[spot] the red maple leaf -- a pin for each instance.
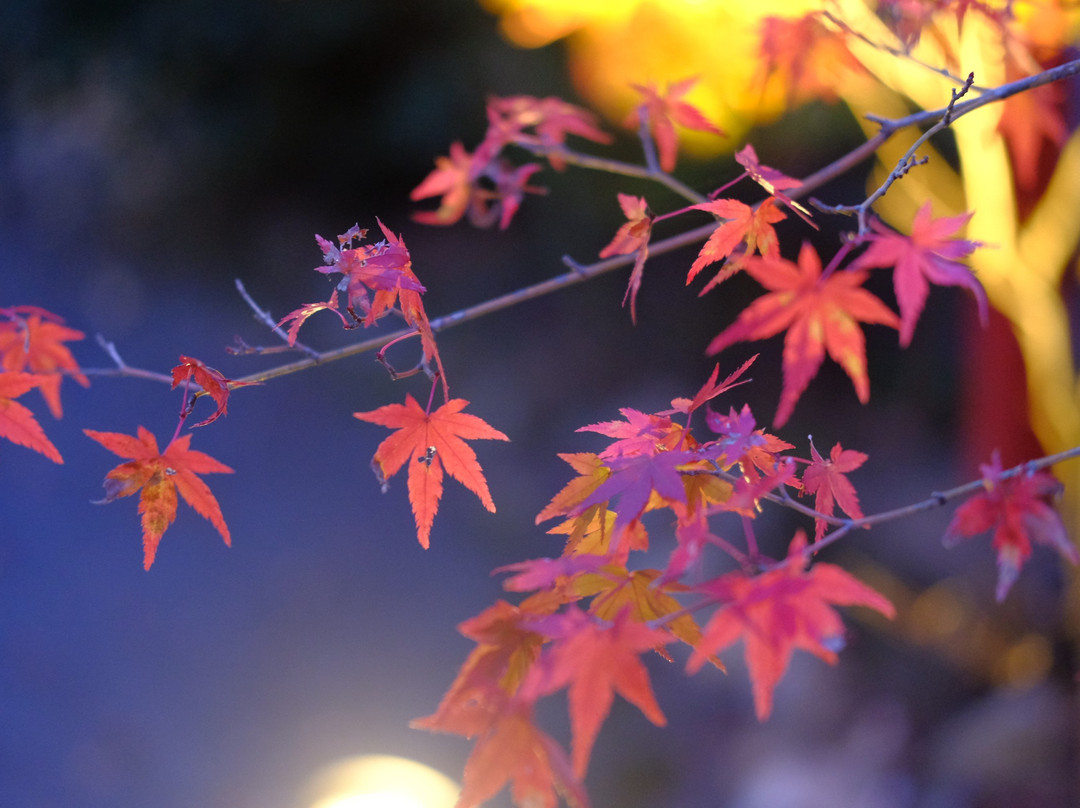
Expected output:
(213, 383)
(819, 314)
(595, 660)
(931, 254)
(827, 481)
(17, 423)
(779, 610)
(772, 180)
(1017, 508)
(33, 340)
(160, 475)
(710, 390)
(632, 236)
(551, 119)
(663, 111)
(751, 227)
(454, 180)
(641, 433)
(298, 317)
(547, 573)
(1032, 122)
(431, 443)
(385, 271)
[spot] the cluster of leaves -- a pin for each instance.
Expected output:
(592, 612)
(33, 355)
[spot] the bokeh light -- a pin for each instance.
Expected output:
(380, 781)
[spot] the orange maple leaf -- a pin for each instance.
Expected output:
(431, 443)
(807, 59)
(632, 236)
(494, 669)
(666, 109)
(160, 475)
(778, 611)
(515, 750)
(17, 423)
(591, 472)
(33, 340)
(595, 661)
(820, 314)
(752, 227)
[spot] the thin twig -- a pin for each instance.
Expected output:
(899, 53)
(264, 316)
(618, 167)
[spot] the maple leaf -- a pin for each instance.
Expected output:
(808, 59)
(384, 269)
(515, 750)
(779, 610)
(634, 479)
(595, 661)
(742, 442)
(505, 650)
(772, 180)
(930, 253)
(551, 118)
(35, 343)
(511, 185)
(17, 423)
(298, 317)
(213, 383)
(710, 390)
(1017, 508)
(431, 443)
(541, 573)
(663, 111)
(640, 434)
(819, 314)
(592, 532)
(1031, 122)
(825, 479)
(907, 18)
(632, 236)
(591, 472)
(751, 227)
(160, 475)
(614, 589)
(453, 179)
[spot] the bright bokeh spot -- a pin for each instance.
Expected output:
(380, 781)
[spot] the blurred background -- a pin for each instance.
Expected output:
(153, 152)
